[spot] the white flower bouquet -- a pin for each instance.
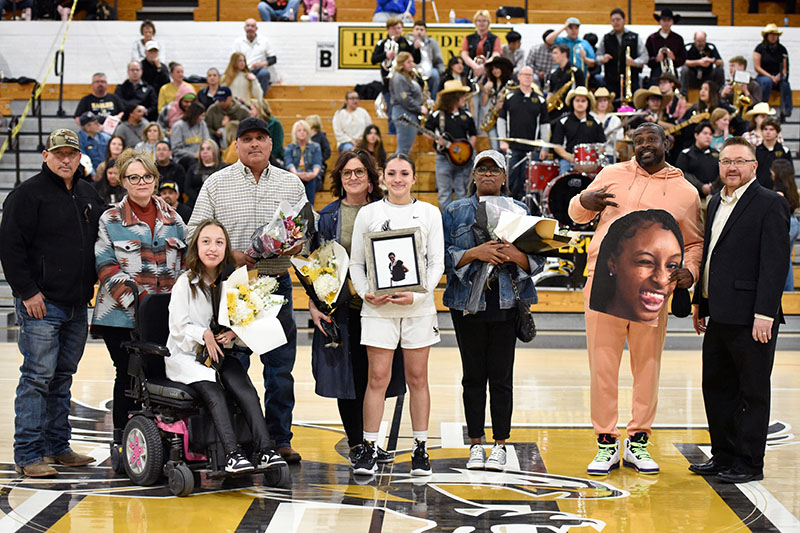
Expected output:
(249, 307)
(323, 275)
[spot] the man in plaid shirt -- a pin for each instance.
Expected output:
(540, 59)
(244, 197)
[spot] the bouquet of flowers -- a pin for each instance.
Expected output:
(323, 275)
(249, 307)
(290, 225)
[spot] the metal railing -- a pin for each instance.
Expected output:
(36, 109)
(13, 145)
(59, 71)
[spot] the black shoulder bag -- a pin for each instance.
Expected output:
(525, 325)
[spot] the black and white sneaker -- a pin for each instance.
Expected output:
(363, 459)
(420, 462)
(235, 462)
(268, 458)
(383, 457)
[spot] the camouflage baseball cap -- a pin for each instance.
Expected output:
(63, 137)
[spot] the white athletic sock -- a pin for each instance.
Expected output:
(419, 436)
(371, 437)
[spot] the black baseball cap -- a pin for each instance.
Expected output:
(169, 184)
(222, 93)
(251, 123)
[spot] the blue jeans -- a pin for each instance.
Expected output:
(433, 82)
(450, 180)
(387, 99)
(345, 146)
(311, 188)
(564, 166)
(51, 349)
(268, 13)
(263, 76)
(406, 135)
(278, 365)
(784, 88)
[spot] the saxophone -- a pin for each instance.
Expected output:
(555, 101)
(490, 119)
(740, 100)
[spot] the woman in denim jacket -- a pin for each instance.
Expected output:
(487, 338)
(341, 372)
(140, 239)
(304, 158)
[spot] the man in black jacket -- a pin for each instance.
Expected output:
(700, 162)
(135, 91)
(48, 232)
(740, 287)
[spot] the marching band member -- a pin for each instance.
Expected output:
(612, 124)
(564, 71)
(612, 52)
(385, 55)
(499, 71)
(576, 127)
(523, 116)
(450, 117)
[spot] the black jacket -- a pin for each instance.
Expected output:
(699, 167)
(142, 94)
(748, 263)
(47, 239)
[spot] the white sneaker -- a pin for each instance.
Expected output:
(477, 457)
(497, 458)
(637, 457)
(606, 460)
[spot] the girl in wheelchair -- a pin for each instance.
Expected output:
(190, 317)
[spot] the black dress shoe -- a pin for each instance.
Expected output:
(708, 468)
(735, 476)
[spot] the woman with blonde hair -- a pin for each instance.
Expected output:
(720, 125)
(304, 158)
(242, 83)
(319, 137)
(153, 264)
(152, 133)
(406, 94)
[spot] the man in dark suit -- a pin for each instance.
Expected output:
(740, 289)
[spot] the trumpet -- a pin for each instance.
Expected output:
(627, 97)
(667, 65)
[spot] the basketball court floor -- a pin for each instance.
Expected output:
(545, 488)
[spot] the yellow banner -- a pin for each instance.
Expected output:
(356, 43)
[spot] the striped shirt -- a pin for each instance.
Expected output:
(234, 197)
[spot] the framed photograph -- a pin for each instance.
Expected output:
(395, 261)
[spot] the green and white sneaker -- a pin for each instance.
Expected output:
(607, 458)
(636, 455)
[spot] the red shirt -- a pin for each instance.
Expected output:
(146, 214)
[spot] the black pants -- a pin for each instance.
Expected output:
(352, 411)
(114, 337)
(235, 380)
(487, 354)
(736, 392)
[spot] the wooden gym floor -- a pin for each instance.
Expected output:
(545, 489)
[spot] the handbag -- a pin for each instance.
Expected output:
(525, 327)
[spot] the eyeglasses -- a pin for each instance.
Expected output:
(135, 179)
(489, 171)
(737, 162)
(358, 173)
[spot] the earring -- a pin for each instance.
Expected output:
(610, 274)
(369, 188)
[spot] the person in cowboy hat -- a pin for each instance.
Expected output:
(450, 117)
(756, 116)
(652, 104)
(577, 127)
(771, 62)
(612, 124)
(499, 72)
(669, 84)
(665, 38)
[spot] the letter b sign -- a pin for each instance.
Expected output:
(325, 56)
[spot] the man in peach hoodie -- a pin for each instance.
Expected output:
(646, 182)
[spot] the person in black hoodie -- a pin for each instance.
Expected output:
(48, 232)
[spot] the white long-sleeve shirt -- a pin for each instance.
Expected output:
(383, 216)
(349, 127)
(189, 317)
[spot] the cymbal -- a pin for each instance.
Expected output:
(538, 143)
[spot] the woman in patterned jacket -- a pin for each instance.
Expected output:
(140, 239)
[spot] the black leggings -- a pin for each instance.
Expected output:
(114, 337)
(235, 380)
(352, 411)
